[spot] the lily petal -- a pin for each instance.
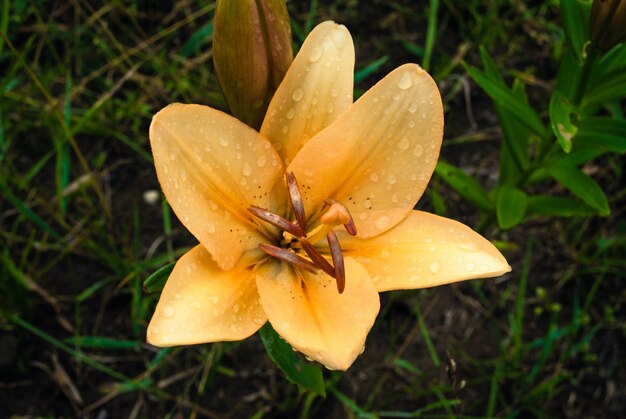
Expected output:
(425, 250)
(203, 303)
(376, 158)
(315, 91)
(211, 168)
(308, 312)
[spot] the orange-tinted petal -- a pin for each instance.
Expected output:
(202, 303)
(315, 91)
(211, 168)
(425, 250)
(308, 312)
(376, 158)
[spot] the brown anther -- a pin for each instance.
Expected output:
(287, 256)
(340, 269)
(276, 220)
(316, 257)
(338, 213)
(296, 200)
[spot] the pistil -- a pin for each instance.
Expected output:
(296, 238)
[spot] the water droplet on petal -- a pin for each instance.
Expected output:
(210, 228)
(374, 177)
(291, 113)
(391, 179)
(261, 161)
(246, 170)
(297, 94)
(469, 267)
(413, 108)
(418, 150)
(382, 222)
(168, 311)
(406, 81)
(316, 54)
(434, 267)
(339, 36)
(223, 142)
(403, 144)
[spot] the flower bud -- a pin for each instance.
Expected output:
(251, 53)
(607, 23)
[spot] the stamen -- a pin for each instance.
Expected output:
(340, 269)
(276, 220)
(316, 257)
(287, 256)
(296, 200)
(338, 213)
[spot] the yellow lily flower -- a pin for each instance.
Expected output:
(273, 248)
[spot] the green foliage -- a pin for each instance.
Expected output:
(83, 255)
(589, 86)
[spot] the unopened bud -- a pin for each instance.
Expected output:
(607, 23)
(251, 53)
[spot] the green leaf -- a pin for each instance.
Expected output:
(580, 185)
(102, 342)
(557, 206)
(608, 88)
(491, 69)
(157, 280)
(510, 206)
(510, 101)
(307, 375)
(560, 110)
(602, 132)
(197, 40)
(370, 69)
(514, 158)
(575, 15)
(465, 185)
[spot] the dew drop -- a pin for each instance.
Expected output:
(434, 267)
(166, 168)
(374, 177)
(403, 144)
(285, 129)
(210, 228)
(168, 311)
(418, 150)
(339, 36)
(261, 161)
(382, 222)
(391, 179)
(334, 93)
(411, 124)
(236, 308)
(413, 108)
(223, 142)
(246, 170)
(316, 54)
(384, 254)
(470, 267)
(405, 82)
(363, 216)
(213, 299)
(291, 113)
(297, 94)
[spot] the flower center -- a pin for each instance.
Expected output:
(297, 240)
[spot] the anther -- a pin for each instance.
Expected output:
(316, 257)
(337, 255)
(338, 213)
(296, 200)
(276, 220)
(287, 256)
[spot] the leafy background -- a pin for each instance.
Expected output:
(80, 228)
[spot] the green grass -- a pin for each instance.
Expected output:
(78, 86)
